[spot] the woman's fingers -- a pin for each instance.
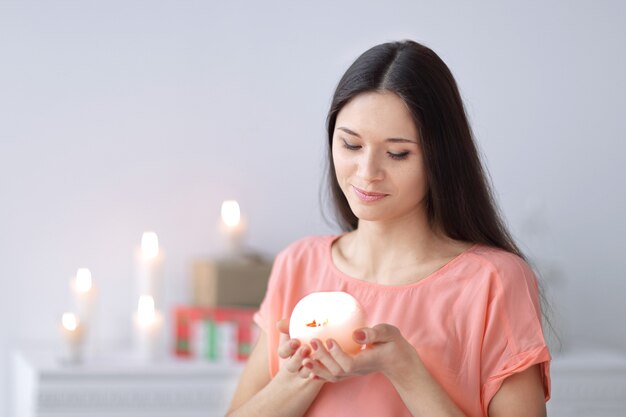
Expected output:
(294, 363)
(283, 326)
(381, 333)
(307, 366)
(330, 369)
(288, 348)
(344, 360)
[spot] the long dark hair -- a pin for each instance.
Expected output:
(459, 199)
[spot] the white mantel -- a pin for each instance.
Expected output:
(585, 383)
(118, 385)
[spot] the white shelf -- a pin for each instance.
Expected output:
(584, 383)
(119, 385)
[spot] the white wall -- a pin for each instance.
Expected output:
(117, 117)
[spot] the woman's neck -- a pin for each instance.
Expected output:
(394, 254)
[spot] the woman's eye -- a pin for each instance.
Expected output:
(401, 155)
(349, 146)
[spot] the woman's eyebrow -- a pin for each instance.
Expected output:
(400, 140)
(348, 131)
(394, 140)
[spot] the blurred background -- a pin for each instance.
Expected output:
(119, 117)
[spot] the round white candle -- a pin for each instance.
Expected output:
(149, 261)
(83, 293)
(328, 315)
(148, 324)
(72, 332)
(232, 226)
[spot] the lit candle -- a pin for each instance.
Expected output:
(72, 332)
(328, 315)
(148, 324)
(149, 260)
(83, 293)
(233, 225)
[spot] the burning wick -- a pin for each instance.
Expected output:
(314, 324)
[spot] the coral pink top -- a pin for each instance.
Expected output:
(474, 322)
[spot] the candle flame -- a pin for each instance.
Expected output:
(145, 310)
(315, 324)
(150, 244)
(231, 214)
(69, 321)
(83, 280)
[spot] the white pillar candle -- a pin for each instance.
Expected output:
(148, 323)
(232, 226)
(328, 315)
(72, 333)
(149, 261)
(83, 293)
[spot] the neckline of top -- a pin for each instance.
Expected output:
(429, 277)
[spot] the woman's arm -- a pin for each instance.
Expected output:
(289, 394)
(520, 395)
(388, 352)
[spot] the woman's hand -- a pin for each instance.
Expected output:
(292, 352)
(289, 393)
(386, 350)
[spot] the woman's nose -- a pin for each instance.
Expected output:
(369, 167)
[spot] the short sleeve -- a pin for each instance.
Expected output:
(513, 338)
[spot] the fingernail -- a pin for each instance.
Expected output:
(314, 345)
(305, 351)
(359, 335)
(330, 344)
(294, 344)
(309, 365)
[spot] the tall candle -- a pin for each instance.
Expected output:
(149, 260)
(148, 324)
(232, 226)
(72, 332)
(83, 293)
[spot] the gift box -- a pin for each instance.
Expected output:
(216, 334)
(234, 282)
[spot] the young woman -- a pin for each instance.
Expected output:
(452, 304)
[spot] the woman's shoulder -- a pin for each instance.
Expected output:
(507, 267)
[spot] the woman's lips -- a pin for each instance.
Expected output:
(368, 196)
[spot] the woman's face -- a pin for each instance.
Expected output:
(378, 159)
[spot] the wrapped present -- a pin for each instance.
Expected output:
(217, 334)
(238, 281)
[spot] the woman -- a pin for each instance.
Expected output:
(453, 307)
